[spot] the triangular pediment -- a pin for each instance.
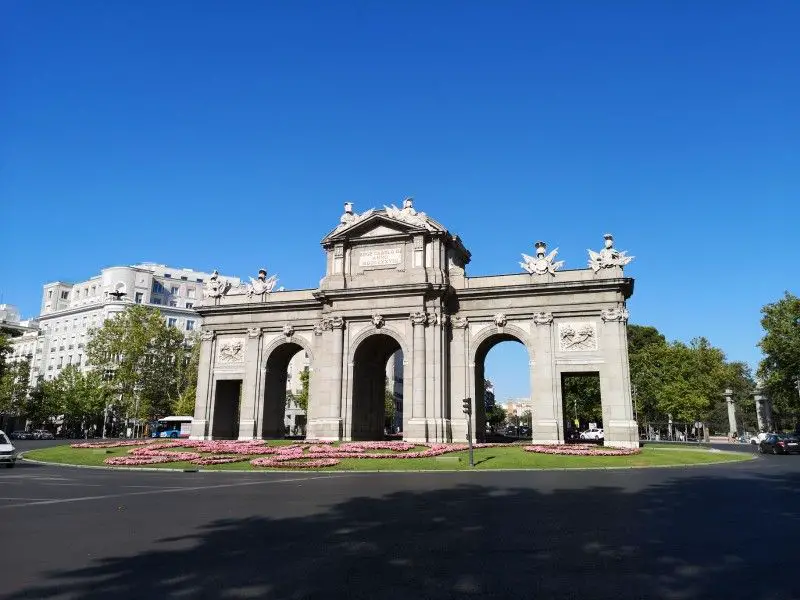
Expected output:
(376, 224)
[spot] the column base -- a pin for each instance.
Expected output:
(547, 431)
(247, 428)
(199, 429)
(621, 434)
(324, 429)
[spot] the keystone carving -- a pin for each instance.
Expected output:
(288, 330)
(377, 321)
(500, 319)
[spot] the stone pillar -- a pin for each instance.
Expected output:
(417, 425)
(247, 411)
(546, 422)
(621, 429)
(731, 411)
(459, 378)
(202, 406)
(325, 386)
(763, 410)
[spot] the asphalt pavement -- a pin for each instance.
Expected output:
(727, 531)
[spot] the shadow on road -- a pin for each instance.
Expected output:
(696, 536)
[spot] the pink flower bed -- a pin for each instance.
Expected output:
(136, 460)
(293, 462)
(581, 450)
(217, 460)
(116, 444)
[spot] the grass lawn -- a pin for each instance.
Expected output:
(508, 457)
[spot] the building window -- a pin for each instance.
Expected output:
(157, 287)
(139, 297)
(199, 281)
(174, 290)
(69, 359)
(184, 277)
(155, 301)
(65, 295)
(190, 292)
(189, 325)
(171, 322)
(167, 275)
(173, 303)
(50, 294)
(189, 305)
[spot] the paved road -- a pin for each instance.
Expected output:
(704, 532)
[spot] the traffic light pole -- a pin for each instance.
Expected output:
(467, 403)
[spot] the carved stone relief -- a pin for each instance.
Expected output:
(288, 330)
(542, 318)
(231, 351)
(500, 320)
(459, 322)
(377, 321)
(577, 337)
(206, 336)
(254, 332)
(419, 318)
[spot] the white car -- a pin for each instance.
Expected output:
(592, 434)
(8, 454)
(758, 438)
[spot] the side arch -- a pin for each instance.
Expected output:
(298, 340)
(507, 333)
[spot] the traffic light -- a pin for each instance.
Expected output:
(467, 402)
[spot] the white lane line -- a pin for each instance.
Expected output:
(197, 488)
(78, 484)
(26, 499)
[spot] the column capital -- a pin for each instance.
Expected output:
(419, 318)
(543, 318)
(254, 332)
(206, 335)
(459, 322)
(616, 314)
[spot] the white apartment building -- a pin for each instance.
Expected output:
(70, 310)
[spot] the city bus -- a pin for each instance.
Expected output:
(172, 427)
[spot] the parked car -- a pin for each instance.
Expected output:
(594, 434)
(757, 438)
(21, 435)
(8, 454)
(42, 434)
(775, 443)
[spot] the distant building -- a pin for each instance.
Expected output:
(58, 337)
(515, 407)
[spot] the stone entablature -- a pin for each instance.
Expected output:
(395, 280)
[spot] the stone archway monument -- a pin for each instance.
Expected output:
(395, 281)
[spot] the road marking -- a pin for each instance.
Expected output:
(170, 491)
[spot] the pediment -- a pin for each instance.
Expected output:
(374, 225)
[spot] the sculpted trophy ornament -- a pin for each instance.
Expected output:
(609, 256)
(377, 321)
(542, 318)
(500, 320)
(231, 351)
(215, 287)
(541, 264)
(262, 285)
(350, 218)
(577, 336)
(619, 313)
(408, 214)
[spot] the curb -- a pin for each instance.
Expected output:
(331, 472)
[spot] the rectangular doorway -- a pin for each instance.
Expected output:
(226, 409)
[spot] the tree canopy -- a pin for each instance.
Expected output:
(779, 370)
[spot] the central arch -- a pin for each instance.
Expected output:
(484, 344)
(369, 385)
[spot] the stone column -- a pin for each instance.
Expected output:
(546, 425)
(763, 410)
(621, 429)
(247, 412)
(417, 425)
(731, 411)
(204, 378)
(337, 328)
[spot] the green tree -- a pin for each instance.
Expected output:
(779, 370)
(581, 395)
(80, 398)
(145, 358)
(301, 397)
(496, 416)
(41, 406)
(188, 377)
(389, 407)
(5, 349)
(14, 386)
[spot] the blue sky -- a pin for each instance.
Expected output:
(228, 135)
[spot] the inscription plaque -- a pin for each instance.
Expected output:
(380, 257)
